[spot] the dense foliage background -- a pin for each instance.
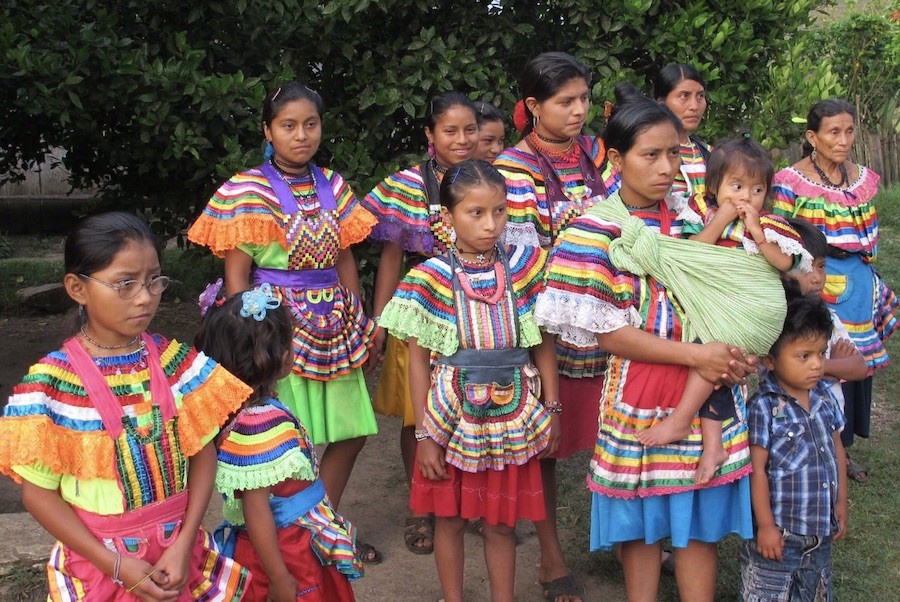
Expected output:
(155, 101)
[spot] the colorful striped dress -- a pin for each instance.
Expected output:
(849, 222)
(408, 209)
(120, 459)
(483, 405)
(266, 447)
(534, 220)
(853, 287)
(326, 389)
(691, 178)
(641, 493)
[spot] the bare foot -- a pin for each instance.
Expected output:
(710, 461)
(668, 431)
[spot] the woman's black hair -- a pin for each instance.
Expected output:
(94, 241)
(812, 238)
(745, 154)
(253, 350)
(807, 317)
(671, 75)
(442, 103)
(486, 112)
(545, 74)
(289, 92)
(822, 109)
(466, 175)
(632, 114)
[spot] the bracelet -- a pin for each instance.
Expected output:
(135, 586)
(116, 565)
(554, 407)
(421, 435)
(375, 318)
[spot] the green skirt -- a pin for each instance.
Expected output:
(333, 410)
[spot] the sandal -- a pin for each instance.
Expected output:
(367, 554)
(416, 532)
(856, 471)
(563, 586)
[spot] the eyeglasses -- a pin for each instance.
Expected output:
(129, 289)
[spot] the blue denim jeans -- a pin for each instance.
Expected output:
(803, 574)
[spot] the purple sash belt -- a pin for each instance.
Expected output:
(317, 285)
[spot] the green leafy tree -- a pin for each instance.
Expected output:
(156, 102)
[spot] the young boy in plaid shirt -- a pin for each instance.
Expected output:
(798, 493)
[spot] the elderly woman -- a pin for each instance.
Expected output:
(837, 196)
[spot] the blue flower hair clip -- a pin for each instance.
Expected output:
(258, 301)
(209, 295)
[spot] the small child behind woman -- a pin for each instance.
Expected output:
(798, 492)
(283, 527)
(731, 213)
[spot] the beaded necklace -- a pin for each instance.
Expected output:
(845, 177)
(538, 142)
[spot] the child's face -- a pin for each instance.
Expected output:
(478, 218)
(799, 364)
(454, 136)
(491, 138)
(737, 186)
(295, 132)
(812, 282)
(111, 319)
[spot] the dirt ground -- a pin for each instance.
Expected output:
(375, 499)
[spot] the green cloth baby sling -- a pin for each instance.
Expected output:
(727, 295)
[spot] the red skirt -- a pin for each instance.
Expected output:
(580, 418)
(315, 582)
(497, 496)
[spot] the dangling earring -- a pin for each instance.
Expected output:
(269, 152)
(81, 317)
(812, 155)
(431, 151)
(535, 120)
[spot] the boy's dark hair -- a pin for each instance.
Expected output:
(253, 350)
(807, 317)
(739, 153)
(812, 238)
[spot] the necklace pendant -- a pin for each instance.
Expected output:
(481, 259)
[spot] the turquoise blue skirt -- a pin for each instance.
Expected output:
(705, 515)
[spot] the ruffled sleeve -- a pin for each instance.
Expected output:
(527, 224)
(585, 294)
(355, 220)
(400, 205)
(422, 307)
(262, 448)
(777, 230)
(527, 266)
(244, 210)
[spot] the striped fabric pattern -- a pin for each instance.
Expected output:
(407, 216)
(846, 217)
(266, 446)
(701, 211)
(246, 211)
(526, 199)
(263, 447)
(422, 306)
(50, 420)
(585, 295)
(691, 179)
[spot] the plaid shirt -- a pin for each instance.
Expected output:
(802, 467)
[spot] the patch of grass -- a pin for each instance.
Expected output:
(17, 273)
(25, 584)
(867, 562)
(191, 270)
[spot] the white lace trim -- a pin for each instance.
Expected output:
(521, 234)
(788, 246)
(579, 319)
